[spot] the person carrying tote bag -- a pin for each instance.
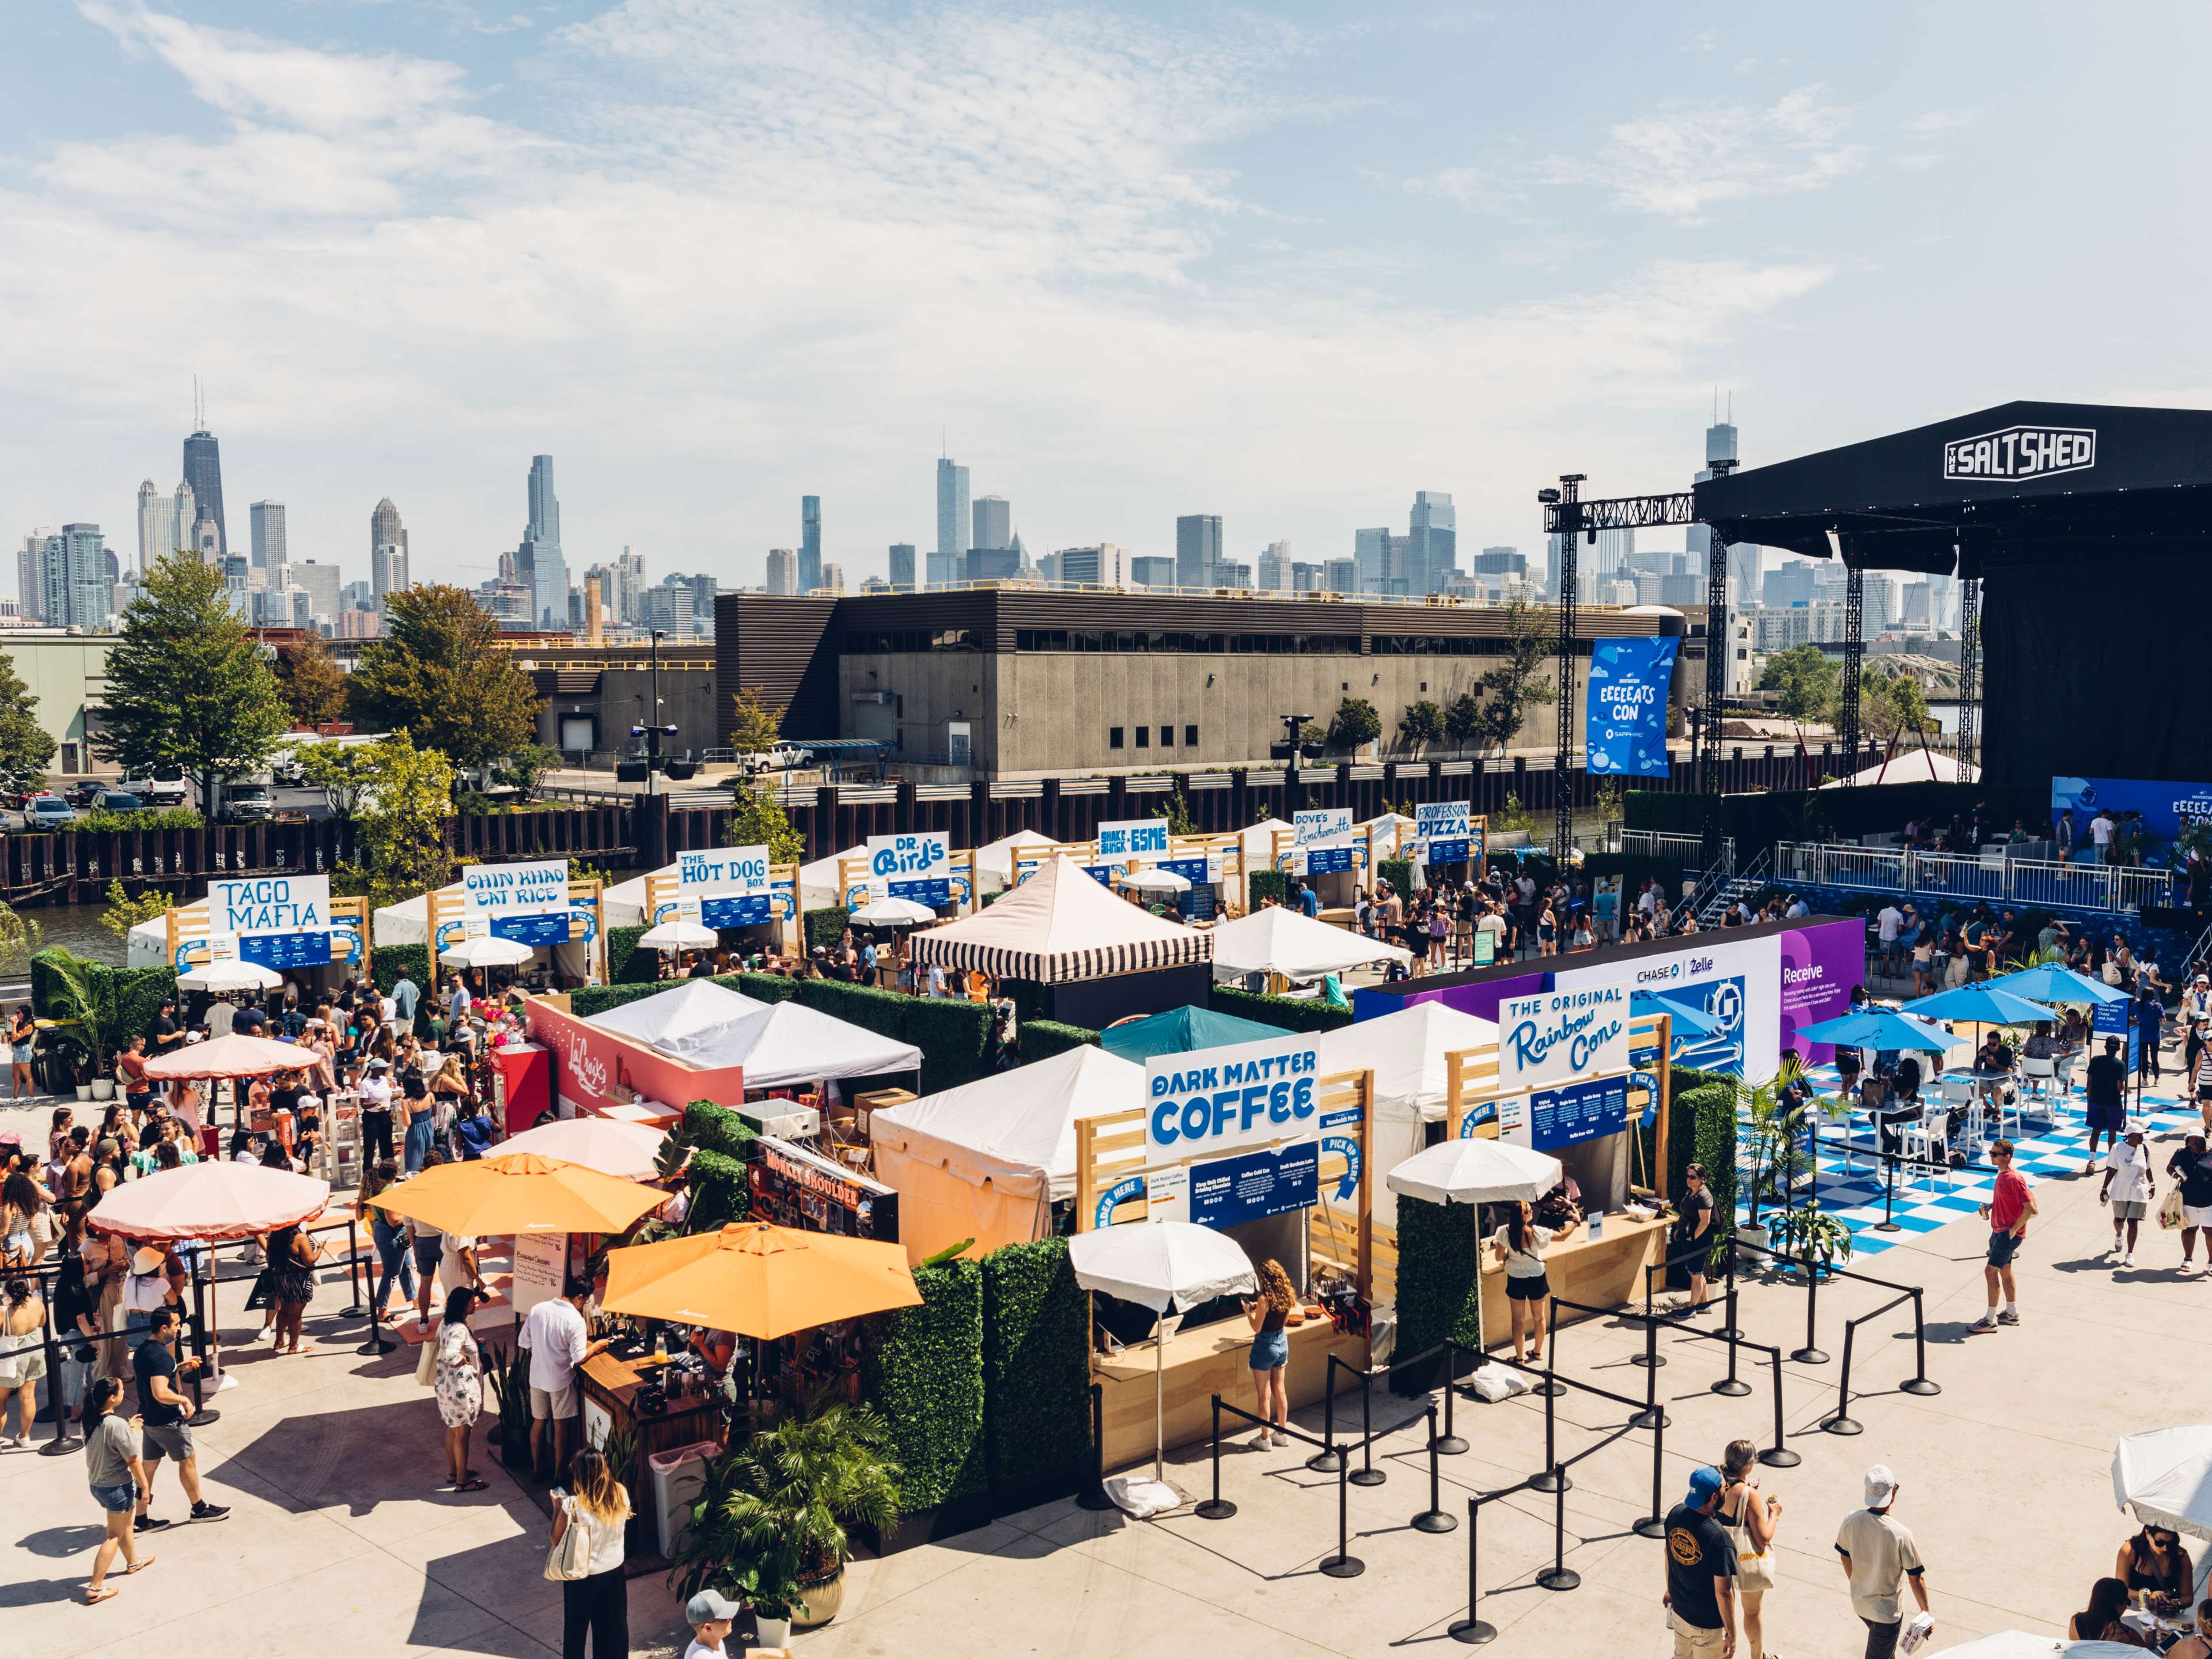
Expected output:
(586, 1559)
(1748, 1517)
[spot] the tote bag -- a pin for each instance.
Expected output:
(570, 1558)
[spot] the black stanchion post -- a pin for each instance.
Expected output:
(1731, 1385)
(354, 1277)
(1559, 1576)
(1778, 1456)
(1367, 1474)
(1451, 1445)
(1919, 1383)
(378, 1343)
(1651, 1356)
(1728, 1287)
(202, 1415)
(63, 1440)
(1343, 1564)
(1329, 1460)
(1542, 1480)
(1096, 1499)
(1472, 1630)
(1889, 1187)
(1653, 1413)
(1842, 1423)
(1216, 1508)
(1547, 1388)
(1810, 1355)
(1654, 1525)
(1434, 1518)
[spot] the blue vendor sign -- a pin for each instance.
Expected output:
(1579, 1112)
(1255, 1184)
(1625, 728)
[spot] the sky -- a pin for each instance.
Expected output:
(1287, 265)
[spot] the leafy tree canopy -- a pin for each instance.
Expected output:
(25, 746)
(440, 675)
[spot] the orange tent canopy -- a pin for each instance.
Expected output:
(520, 1193)
(759, 1280)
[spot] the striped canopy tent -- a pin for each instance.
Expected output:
(1059, 927)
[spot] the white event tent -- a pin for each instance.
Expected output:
(1058, 927)
(778, 1045)
(682, 1014)
(995, 862)
(1406, 1052)
(1281, 940)
(985, 1160)
(1913, 766)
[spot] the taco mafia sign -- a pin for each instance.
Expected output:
(2021, 451)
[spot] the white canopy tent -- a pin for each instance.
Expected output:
(785, 1043)
(985, 1160)
(1281, 940)
(408, 922)
(1058, 927)
(682, 1014)
(1914, 765)
(995, 862)
(1406, 1051)
(818, 885)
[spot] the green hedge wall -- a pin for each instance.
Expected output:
(1291, 1013)
(1036, 1373)
(953, 1035)
(388, 962)
(1043, 1038)
(826, 926)
(1263, 885)
(1398, 873)
(1439, 1276)
(626, 964)
(1701, 1128)
(924, 1372)
(586, 1000)
(721, 1143)
(130, 997)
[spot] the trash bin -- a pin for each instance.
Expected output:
(677, 1475)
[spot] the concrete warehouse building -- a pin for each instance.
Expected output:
(1013, 681)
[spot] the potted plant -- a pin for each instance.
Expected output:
(507, 1370)
(90, 1019)
(714, 1555)
(1812, 1235)
(1772, 1116)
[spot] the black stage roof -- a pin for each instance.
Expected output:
(1999, 486)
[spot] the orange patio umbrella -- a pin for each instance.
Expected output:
(759, 1280)
(520, 1192)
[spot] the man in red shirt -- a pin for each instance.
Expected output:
(2008, 1210)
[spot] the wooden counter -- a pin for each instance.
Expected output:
(612, 1384)
(1607, 1273)
(1199, 1364)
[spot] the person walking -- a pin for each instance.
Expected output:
(597, 1606)
(162, 1429)
(2010, 1208)
(2104, 1084)
(2129, 1189)
(119, 1483)
(389, 1234)
(22, 1357)
(2192, 1168)
(2149, 1012)
(458, 1380)
(1879, 1555)
(1700, 1595)
(1519, 1246)
(1749, 1519)
(1694, 1228)
(1268, 1315)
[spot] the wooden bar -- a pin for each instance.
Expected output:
(1605, 1273)
(611, 1385)
(1199, 1364)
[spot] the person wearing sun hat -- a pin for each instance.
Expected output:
(1700, 1598)
(2129, 1188)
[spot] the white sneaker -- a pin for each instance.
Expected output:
(2128, 1259)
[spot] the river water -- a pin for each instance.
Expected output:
(76, 929)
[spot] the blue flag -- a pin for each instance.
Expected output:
(1625, 728)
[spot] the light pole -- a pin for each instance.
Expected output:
(652, 730)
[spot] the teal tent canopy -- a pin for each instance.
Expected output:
(1179, 1030)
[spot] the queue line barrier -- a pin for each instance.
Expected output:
(1343, 1564)
(1814, 1271)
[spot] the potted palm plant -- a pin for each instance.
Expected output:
(507, 1371)
(1812, 1235)
(90, 1018)
(1772, 1118)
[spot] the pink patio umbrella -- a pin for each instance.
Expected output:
(235, 1055)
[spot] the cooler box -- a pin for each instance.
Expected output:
(677, 1475)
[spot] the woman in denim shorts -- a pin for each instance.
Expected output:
(117, 1478)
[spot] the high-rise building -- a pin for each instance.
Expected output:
(548, 571)
(810, 543)
(945, 564)
(387, 572)
(1432, 554)
(1274, 568)
(833, 577)
(1198, 548)
(782, 572)
(1095, 567)
(991, 564)
(1152, 572)
(1341, 576)
(629, 586)
(67, 576)
(1371, 560)
(158, 533)
(1743, 577)
(30, 574)
(188, 516)
(1232, 573)
(385, 529)
(703, 589)
(204, 473)
(268, 520)
(993, 518)
(1608, 561)
(323, 586)
(902, 564)
(1500, 561)
(1306, 578)
(668, 607)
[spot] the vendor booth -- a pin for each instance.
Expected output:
(288, 925)
(1414, 1054)
(1197, 876)
(1282, 946)
(593, 1068)
(532, 902)
(735, 893)
(777, 1045)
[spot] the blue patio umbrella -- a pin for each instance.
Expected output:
(2051, 984)
(1884, 1029)
(1979, 1004)
(1180, 1030)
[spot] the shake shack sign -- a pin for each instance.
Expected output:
(2021, 451)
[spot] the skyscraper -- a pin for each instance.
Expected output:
(1198, 548)
(157, 525)
(204, 473)
(187, 515)
(1096, 566)
(944, 563)
(630, 586)
(268, 519)
(902, 564)
(321, 584)
(549, 570)
(385, 529)
(995, 524)
(810, 543)
(68, 569)
(782, 572)
(1274, 573)
(1743, 577)
(1608, 560)
(1370, 559)
(1432, 557)
(387, 572)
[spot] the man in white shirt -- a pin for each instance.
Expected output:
(558, 1341)
(220, 1014)
(1889, 922)
(2100, 832)
(2128, 1189)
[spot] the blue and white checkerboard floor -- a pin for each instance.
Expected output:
(1855, 1193)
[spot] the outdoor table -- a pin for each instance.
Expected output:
(610, 1389)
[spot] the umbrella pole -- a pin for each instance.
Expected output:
(1159, 1401)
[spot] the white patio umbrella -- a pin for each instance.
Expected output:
(678, 935)
(603, 1144)
(2163, 1478)
(486, 952)
(229, 977)
(1158, 1265)
(2018, 1644)
(1152, 879)
(1475, 1172)
(892, 913)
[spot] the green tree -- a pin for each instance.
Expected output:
(187, 687)
(1463, 721)
(525, 768)
(1807, 680)
(440, 675)
(1355, 722)
(1418, 723)
(761, 821)
(397, 798)
(25, 748)
(313, 684)
(755, 726)
(1889, 703)
(1176, 811)
(124, 913)
(341, 772)
(1514, 688)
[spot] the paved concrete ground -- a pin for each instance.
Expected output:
(340, 1533)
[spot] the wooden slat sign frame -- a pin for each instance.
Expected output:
(1471, 1080)
(188, 928)
(662, 890)
(440, 907)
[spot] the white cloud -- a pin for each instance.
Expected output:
(1686, 158)
(1941, 120)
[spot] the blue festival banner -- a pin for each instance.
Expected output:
(740, 910)
(535, 932)
(1625, 730)
(1253, 1185)
(278, 952)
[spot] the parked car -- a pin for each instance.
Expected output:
(155, 792)
(249, 802)
(48, 812)
(85, 792)
(116, 800)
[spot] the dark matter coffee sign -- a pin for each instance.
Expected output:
(2021, 451)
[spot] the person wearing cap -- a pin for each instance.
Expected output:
(2129, 1189)
(1877, 1552)
(2104, 1087)
(710, 1616)
(375, 1092)
(2010, 1207)
(1700, 1598)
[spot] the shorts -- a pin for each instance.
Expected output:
(427, 1253)
(116, 1500)
(1271, 1351)
(2197, 1215)
(2003, 1246)
(19, 1053)
(22, 1368)
(559, 1404)
(170, 1440)
(1694, 1641)
(1535, 1288)
(2130, 1209)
